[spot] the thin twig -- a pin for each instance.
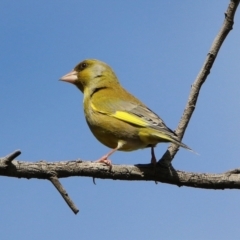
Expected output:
(10, 157)
(54, 180)
(201, 78)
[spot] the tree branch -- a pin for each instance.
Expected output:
(54, 180)
(201, 78)
(11, 168)
(141, 172)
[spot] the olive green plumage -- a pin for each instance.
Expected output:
(116, 118)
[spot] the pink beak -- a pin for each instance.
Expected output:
(71, 77)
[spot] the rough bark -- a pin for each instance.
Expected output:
(141, 172)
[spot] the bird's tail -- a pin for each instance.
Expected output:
(173, 139)
(177, 142)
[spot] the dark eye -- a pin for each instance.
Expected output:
(83, 65)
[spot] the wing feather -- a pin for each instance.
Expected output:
(132, 112)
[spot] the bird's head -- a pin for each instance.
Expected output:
(89, 74)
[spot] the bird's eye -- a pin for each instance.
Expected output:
(83, 65)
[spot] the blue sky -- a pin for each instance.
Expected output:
(156, 49)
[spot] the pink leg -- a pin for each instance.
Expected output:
(104, 159)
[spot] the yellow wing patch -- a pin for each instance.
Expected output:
(124, 116)
(130, 118)
(93, 107)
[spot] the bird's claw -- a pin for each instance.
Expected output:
(105, 161)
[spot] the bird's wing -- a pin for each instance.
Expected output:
(143, 116)
(130, 112)
(135, 113)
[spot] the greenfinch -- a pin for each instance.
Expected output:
(117, 118)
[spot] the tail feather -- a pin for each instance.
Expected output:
(173, 139)
(176, 141)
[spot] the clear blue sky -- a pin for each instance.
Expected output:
(156, 49)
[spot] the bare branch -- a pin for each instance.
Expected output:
(201, 78)
(18, 169)
(54, 180)
(142, 172)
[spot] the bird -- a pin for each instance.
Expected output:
(115, 117)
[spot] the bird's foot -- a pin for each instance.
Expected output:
(104, 160)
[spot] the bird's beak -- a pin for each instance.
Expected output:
(71, 77)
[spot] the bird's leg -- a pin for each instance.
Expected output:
(153, 159)
(154, 162)
(104, 159)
